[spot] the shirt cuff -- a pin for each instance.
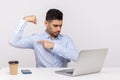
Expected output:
(23, 21)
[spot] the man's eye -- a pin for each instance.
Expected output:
(56, 25)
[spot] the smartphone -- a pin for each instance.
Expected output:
(26, 71)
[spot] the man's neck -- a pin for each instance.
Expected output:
(50, 35)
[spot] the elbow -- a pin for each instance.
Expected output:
(10, 42)
(75, 58)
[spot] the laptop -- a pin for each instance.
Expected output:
(89, 61)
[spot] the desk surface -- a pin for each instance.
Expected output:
(49, 74)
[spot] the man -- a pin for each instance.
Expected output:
(51, 48)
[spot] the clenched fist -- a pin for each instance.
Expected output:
(31, 18)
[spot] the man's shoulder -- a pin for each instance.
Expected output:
(35, 35)
(65, 36)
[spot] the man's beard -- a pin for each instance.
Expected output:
(56, 34)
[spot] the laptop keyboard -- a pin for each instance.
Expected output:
(69, 71)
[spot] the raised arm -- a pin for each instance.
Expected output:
(16, 39)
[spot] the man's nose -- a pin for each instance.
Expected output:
(58, 28)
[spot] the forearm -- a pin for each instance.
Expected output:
(68, 53)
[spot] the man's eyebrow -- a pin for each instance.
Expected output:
(57, 25)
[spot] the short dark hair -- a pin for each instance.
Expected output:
(54, 14)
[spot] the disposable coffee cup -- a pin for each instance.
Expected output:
(13, 67)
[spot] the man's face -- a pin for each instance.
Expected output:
(53, 27)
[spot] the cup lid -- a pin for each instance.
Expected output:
(13, 62)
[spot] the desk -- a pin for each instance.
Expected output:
(48, 74)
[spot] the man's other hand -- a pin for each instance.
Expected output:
(31, 18)
(46, 44)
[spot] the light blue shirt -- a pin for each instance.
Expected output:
(63, 51)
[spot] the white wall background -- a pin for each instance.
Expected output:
(90, 23)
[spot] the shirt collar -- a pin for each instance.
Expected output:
(46, 35)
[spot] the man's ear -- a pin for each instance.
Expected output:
(46, 23)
